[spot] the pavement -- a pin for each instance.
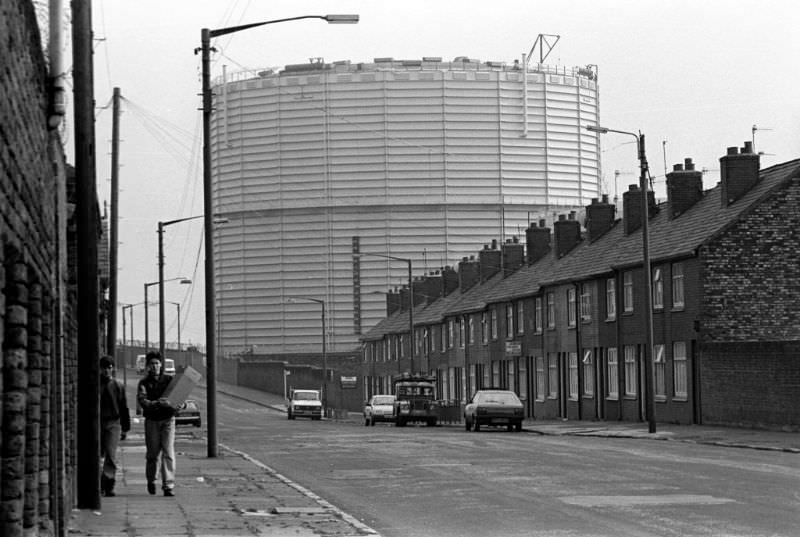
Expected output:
(235, 495)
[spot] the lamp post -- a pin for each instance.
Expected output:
(205, 50)
(161, 226)
(324, 348)
(184, 281)
(177, 305)
(124, 360)
(648, 302)
(410, 303)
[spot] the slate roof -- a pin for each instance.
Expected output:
(669, 239)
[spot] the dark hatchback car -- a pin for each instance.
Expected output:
(494, 407)
(189, 414)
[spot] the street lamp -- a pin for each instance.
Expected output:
(161, 226)
(648, 306)
(294, 299)
(211, 367)
(184, 281)
(410, 302)
(124, 359)
(177, 305)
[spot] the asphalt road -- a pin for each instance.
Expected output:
(444, 481)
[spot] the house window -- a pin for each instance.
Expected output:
(443, 337)
(484, 327)
(551, 310)
(571, 314)
(462, 332)
(537, 315)
(451, 333)
(471, 330)
(586, 303)
(659, 370)
(541, 379)
(677, 286)
(611, 299)
(631, 384)
(493, 326)
(627, 292)
(658, 289)
(520, 318)
(588, 372)
(573, 375)
(552, 375)
(680, 369)
(509, 321)
(613, 373)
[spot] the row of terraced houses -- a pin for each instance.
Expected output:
(561, 320)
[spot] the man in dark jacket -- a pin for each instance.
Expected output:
(159, 424)
(115, 421)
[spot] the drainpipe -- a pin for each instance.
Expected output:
(578, 349)
(56, 43)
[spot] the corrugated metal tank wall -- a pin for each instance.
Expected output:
(420, 160)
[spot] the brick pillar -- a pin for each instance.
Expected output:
(47, 471)
(15, 380)
(33, 408)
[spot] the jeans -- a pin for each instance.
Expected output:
(110, 432)
(159, 439)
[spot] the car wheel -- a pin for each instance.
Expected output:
(476, 425)
(432, 422)
(467, 423)
(372, 422)
(366, 422)
(510, 427)
(197, 423)
(518, 426)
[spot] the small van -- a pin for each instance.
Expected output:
(169, 366)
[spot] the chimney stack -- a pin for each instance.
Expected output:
(538, 242)
(513, 256)
(632, 208)
(567, 233)
(489, 261)
(392, 302)
(599, 217)
(468, 273)
(684, 188)
(738, 172)
(449, 280)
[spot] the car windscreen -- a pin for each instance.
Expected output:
(498, 398)
(383, 400)
(407, 390)
(305, 396)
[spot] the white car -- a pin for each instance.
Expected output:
(379, 408)
(304, 404)
(169, 366)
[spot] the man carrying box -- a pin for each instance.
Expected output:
(159, 424)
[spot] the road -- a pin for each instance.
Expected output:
(444, 481)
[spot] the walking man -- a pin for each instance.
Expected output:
(115, 422)
(159, 424)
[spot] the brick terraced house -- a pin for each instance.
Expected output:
(566, 328)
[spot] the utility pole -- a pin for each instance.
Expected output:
(112, 247)
(88, 412)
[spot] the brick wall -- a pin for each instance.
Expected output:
(751, 272)
(37, 461)
(752, 384)
(750, 322)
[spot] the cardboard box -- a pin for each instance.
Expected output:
(182, 385)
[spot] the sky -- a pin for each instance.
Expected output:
(694, 77)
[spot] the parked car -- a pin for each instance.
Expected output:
(494, 407)
(379, 408)
(304, 404)
(169, 366)
(189, 414)
(141, 362)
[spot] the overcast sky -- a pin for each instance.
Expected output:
(696, 75)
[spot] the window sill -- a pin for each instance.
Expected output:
(677, 309)
(612, 398)
(680, 399)
(611, 319)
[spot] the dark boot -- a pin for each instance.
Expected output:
(110, 488)
(103, 485)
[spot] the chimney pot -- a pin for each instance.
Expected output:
(689, 164)
(605, 198)
(748, 147)
(494, 244)
(677, 167)
(542, 223)
(733, 150)
(562, 217)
